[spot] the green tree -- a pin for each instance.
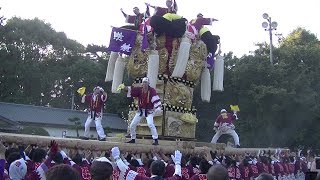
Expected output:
(30, 48)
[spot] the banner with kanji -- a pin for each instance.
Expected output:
(122, 40)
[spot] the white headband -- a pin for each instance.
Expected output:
(145, 79)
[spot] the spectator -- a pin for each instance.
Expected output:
(157, 168)
(218, 172)
(18, 169)
(62, 172)
(101, 169)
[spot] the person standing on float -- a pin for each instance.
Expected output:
(149, 105)
(96, 102)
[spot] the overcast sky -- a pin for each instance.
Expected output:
(239, 24)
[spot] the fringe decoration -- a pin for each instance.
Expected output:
(205, 85)
(153, 68)
(182, 58)
(118, 74)
(218, 74)
(111, 63)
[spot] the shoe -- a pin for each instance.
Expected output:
(132, 141)
(84, 138)
(238, 146)
(103, 139)
(155, 142)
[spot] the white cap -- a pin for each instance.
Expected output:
(145, 79)
(223, 111)
(18, 169)
(98, 87)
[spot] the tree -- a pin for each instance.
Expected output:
(77, 124)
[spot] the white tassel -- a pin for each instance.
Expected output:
(153, 68)
(182, 58)
(205, 85)
(111, 63)
(218, 74)
(118, 74)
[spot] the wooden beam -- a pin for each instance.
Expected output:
(142, 145)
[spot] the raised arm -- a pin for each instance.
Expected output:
(124, 14)
(149, 5)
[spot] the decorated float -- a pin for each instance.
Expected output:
(174, 64)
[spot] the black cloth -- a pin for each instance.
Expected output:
(161, 25)
(211, 41)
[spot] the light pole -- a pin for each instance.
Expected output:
(269, 26)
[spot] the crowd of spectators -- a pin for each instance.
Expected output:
(55, 163)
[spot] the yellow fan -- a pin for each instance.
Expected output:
(234, 108)
(120, 87)
(81, 90)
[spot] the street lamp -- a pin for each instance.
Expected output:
(269, 26)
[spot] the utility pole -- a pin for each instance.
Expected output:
(269, 26)
(72, 100)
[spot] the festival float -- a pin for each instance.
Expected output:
(174, 65)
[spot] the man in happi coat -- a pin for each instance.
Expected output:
(149, 105)
(205, 35)
(224, 125)
(136, 19)
(96, 102)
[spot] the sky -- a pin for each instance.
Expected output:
(239, 25)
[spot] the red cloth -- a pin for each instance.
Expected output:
(136, 19)
(234, 173)
(147, 22)
(286, 168)
(291, 168)
(148, 100)
(85, 173)
(142, 171)
(193, 170)
(262, 168)
(230, 118)
(254, 170)
(116, 173)
(169, 170)
(271, 169)
(199, 22)
(185, 173)
(278, 168)
(245, 172)
(97, 104)
(199, 177)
